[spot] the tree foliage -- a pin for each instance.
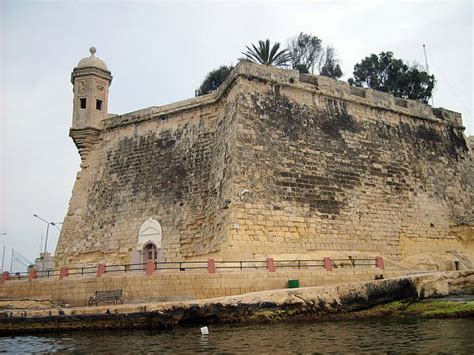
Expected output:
(330, 64)
(267, 54)
(213, 80)
(305, 54)
(305, 51)
(386, 73)
(308, 53)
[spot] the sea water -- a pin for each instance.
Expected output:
(380, 335)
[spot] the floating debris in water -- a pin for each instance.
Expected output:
(204, 331)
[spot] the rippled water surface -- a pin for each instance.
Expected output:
(372, 335)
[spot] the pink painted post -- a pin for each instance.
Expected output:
(64, 272)
(5, 276)
(100, 270)
(270, 265)
(33, 274)
(150, 267)
(211, 266)
(379, 262)
(327, 262)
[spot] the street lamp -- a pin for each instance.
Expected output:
(56, 225)
(3, 255)
(47, 232)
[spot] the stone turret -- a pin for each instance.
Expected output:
(91, 80)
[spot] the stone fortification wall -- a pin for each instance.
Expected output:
(325, 167)
(464, 230)
(467, 176)
(279, 164)
(172, 286)
(170, 167)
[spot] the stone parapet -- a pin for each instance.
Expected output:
(314, 83)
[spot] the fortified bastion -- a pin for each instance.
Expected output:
(272, 164)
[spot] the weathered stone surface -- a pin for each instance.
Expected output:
(26, 304)
(274, 164)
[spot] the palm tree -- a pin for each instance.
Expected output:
(267, 55)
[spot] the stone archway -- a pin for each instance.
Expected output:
(150, 252)
(149, 242)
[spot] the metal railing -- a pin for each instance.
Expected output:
(210, 265)
(352, 262)
(241, 264)
(299, 264)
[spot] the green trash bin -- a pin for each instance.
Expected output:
(293, 283)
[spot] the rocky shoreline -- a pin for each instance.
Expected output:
(390, 297)
(428, 308)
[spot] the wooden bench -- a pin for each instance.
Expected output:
(114, 296)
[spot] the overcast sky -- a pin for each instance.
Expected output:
(158, 53)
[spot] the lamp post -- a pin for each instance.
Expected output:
(3, 254)
(47, 233)
(56, 225)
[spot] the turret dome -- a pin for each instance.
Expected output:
(92, 61)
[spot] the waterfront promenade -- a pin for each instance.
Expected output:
(319, 302)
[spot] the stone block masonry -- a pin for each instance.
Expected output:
(173, 286)
(330, 174)
(170, 170)
(275, 165)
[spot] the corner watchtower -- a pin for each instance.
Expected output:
(91, 80)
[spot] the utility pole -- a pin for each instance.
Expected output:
(11, 262)
(3, 254)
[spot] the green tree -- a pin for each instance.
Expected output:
(305, 51)
(213, 80)
(330, 64)
(267, 55)
(386, 73)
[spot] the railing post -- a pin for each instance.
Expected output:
(150, 267)
(270, 265)
(5, 276)
(379, 262)
(64, 272)
(211, 266)
(100, 270)
(327, 263)
(33, 274)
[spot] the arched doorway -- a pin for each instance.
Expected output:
(149, 243)
(150, 253)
